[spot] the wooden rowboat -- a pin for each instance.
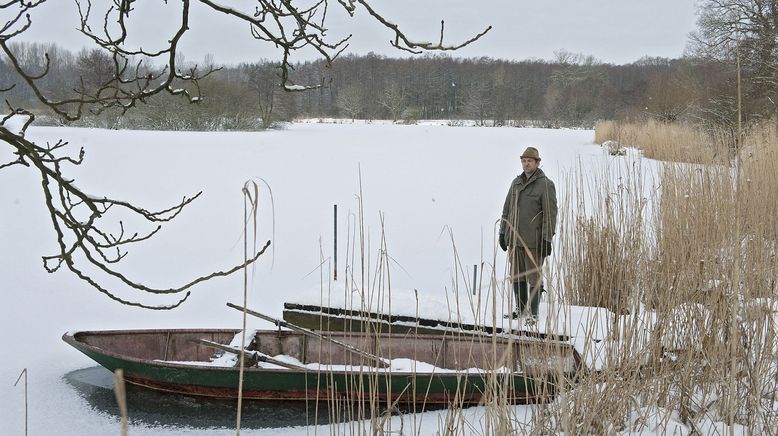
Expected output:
(288, 365)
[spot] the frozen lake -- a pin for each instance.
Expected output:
(422, 183)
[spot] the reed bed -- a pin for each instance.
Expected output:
(696, 285)
(663, 141)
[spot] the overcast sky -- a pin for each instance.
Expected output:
(614, 31)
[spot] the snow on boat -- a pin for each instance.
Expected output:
(288, 365)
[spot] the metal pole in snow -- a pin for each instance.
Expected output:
(335, 244)
(475, 276)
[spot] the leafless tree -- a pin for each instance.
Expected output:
(671, 94)
(478, 103)
(263, 80)
(394, 100)
(351, 100)
(574, 87)
(746, 30)
(128, 75)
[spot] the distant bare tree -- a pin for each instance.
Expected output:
(127, 75)
(95, 67)
(671, 94)
(394, 100)
(575, 85)
(263, 78)
(478, 103)
(351, 101)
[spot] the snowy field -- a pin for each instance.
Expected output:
(432, 189)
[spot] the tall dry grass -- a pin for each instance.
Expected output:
(663, 141)
(602, 236)
(703, 274)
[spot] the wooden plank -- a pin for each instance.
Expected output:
(376, 359)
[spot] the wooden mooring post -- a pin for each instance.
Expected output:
(475, 277)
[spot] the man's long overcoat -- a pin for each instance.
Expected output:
(530, 210)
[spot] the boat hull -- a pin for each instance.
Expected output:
(366, 383)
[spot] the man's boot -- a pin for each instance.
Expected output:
(521, 295)
(534, 305)
(516, 311)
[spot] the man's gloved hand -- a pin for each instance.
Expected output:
(545, 248)
(503, 243)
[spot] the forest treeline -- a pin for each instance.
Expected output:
(570, 91)
(727, 78)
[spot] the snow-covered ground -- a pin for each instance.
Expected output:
(433, 189)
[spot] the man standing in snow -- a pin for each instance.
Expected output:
(526, 230)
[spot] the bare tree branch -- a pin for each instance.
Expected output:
(76, 219)
(404, 43)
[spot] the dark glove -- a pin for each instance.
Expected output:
(545, 248)
(503, 243)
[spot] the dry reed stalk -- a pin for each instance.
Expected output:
(121, 398)
(250, 210)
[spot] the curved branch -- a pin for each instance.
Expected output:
(408, 44)
(84, 238)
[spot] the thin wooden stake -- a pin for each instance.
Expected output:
(335, 244)
(475, 277)
(24, 373)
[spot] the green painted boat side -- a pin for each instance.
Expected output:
(285, 384)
